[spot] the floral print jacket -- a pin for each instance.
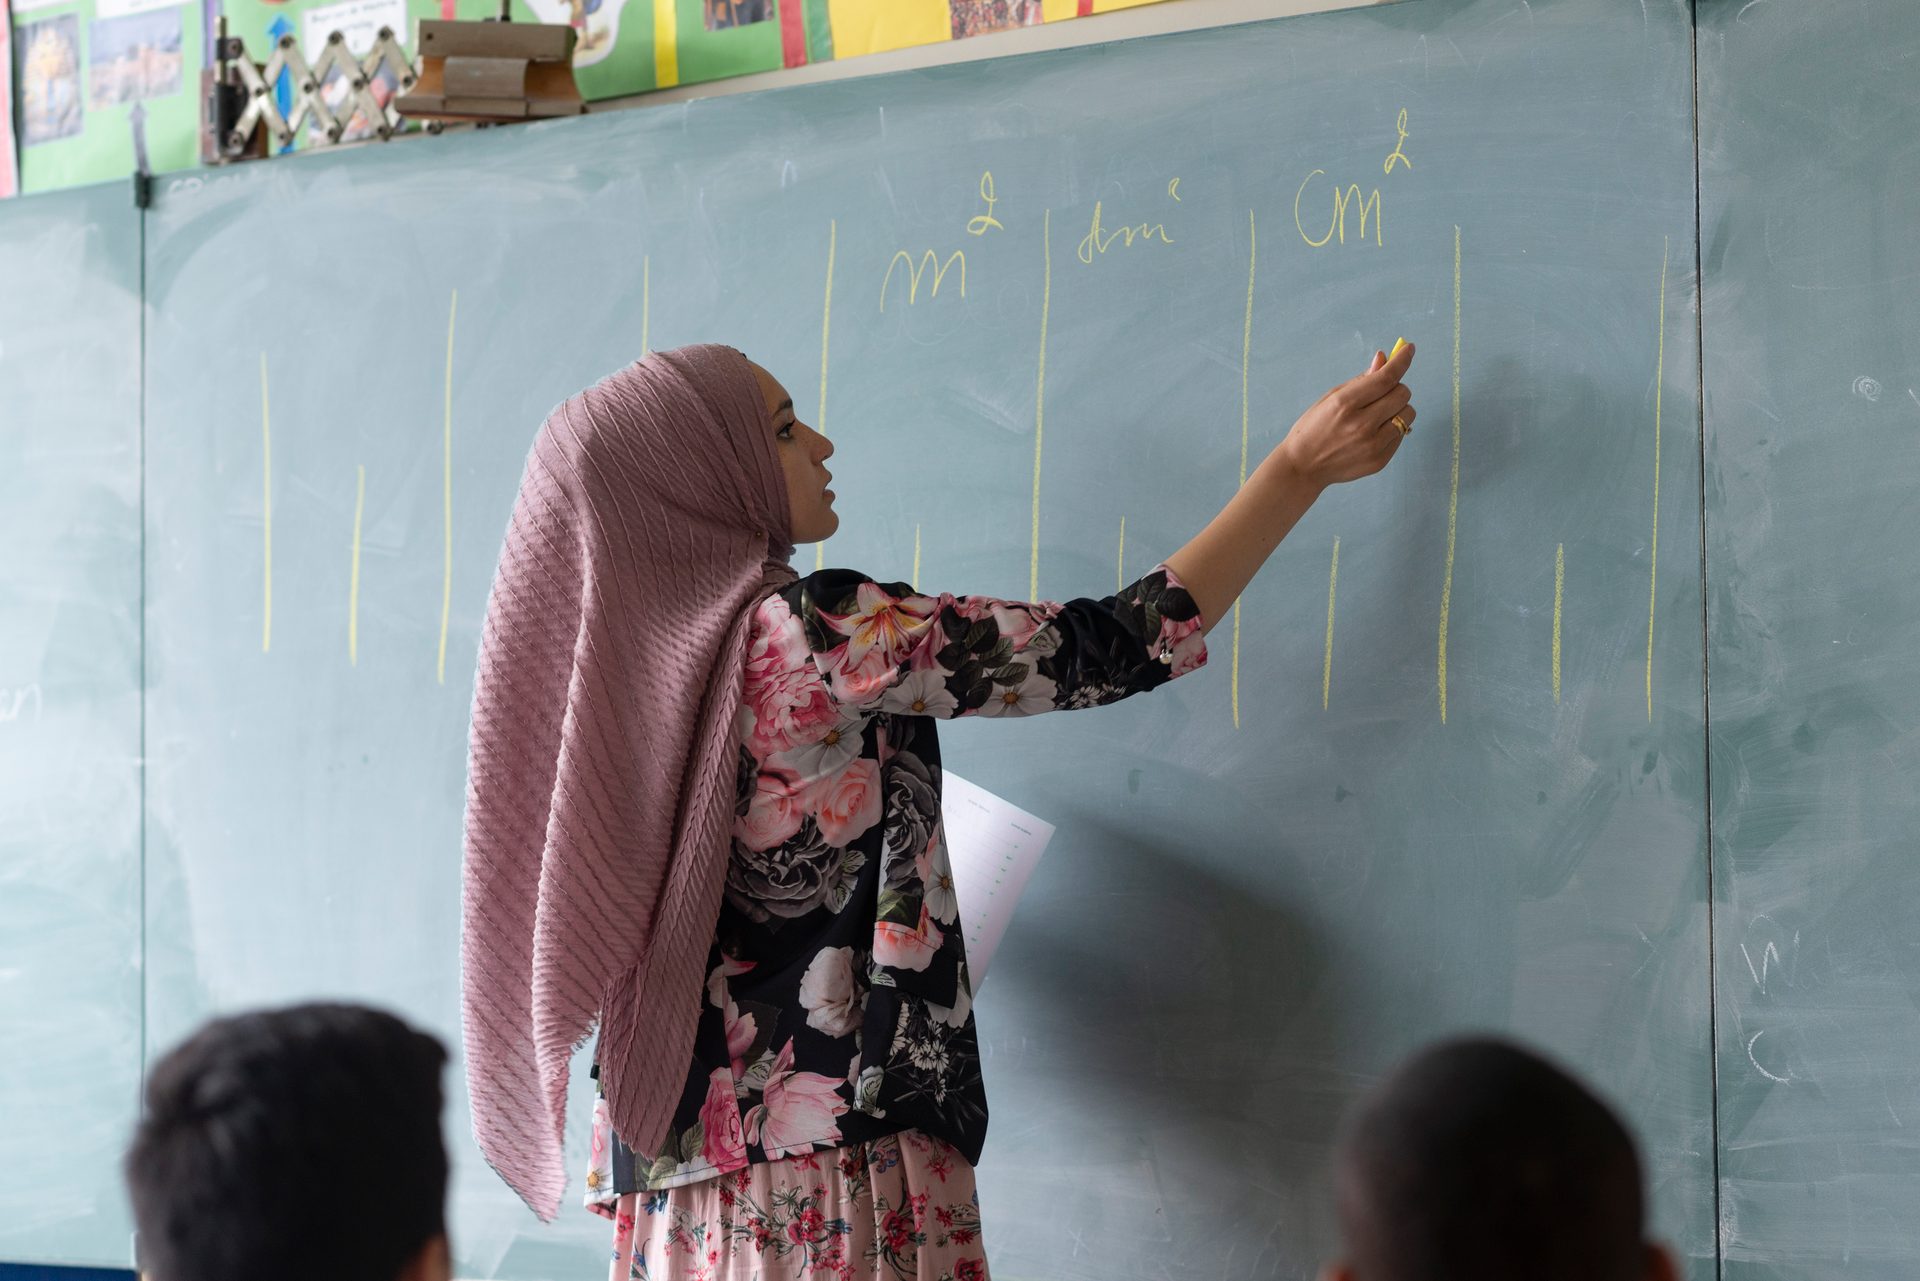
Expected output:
(838, 1008)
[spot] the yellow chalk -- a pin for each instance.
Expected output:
(1398, 343)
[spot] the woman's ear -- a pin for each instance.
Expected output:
(1661, 1265)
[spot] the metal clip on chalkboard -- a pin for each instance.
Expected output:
(494, 72)
(242, 119)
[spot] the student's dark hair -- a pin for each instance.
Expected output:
(294, 1144)
(1481, 1160)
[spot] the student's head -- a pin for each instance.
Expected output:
(1480, 1161)
(803, 456)
(298, 1145)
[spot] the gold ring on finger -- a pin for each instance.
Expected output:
(1400, 423)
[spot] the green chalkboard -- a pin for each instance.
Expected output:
(1475, 798)
(1810, 203)
(70, 920)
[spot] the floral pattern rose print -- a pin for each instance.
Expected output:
(902, 1208)
(838, 1010)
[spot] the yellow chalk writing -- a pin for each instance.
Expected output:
(826, 326)
(980, 224)
(353, 587)
(1453, 502)
(915, 273)
(1559, 594)
(1333, 588)
(1399, 153)
(266, 512)
(1653, 556)
(1040, 393)
(446, 498)
(1098, 239)
(1344, 200)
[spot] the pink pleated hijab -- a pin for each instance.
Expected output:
(602, 765)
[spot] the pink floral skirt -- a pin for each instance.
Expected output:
(902, 1208)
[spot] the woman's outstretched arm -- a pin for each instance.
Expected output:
(1347, 434)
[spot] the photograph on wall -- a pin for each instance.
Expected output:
(134, 58)
(597, 21)
(980, 17)
(724, 15)
(49, 69)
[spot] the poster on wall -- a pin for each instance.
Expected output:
(8, 169)
(105, 88)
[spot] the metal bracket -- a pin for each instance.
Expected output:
(255, 85)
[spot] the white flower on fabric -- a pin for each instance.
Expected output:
(1029, 698)
(1045, 643)
(943, 904)
(827, 755)
(866, 1093)
(920, 693)
(828, 994)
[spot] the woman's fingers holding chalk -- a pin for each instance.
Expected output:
(1364, 389)
(1383, 374)
(1391, 402)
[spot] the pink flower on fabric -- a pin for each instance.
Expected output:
(785, 702)
(880, 624)
(897, 947)
(741, 1031)
(848, 803)
(723, 1143)
(775, 813)
(858, 682)
(779, 642)
(789, 708)
(799, 1109)
(1015, 621)
(717, 981)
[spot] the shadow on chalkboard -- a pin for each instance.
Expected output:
(1181, 991)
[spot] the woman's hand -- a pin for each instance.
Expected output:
(1349, 432)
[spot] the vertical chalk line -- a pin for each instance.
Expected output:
(916, 558)
(353, 587)
(446, 496)
(826, 326)
(1659, 374)
(1120, 563)
(1246, 361)
(266, 478)
(1040, 396)
(1559, 592)
(1453, 502)
(1326, 670)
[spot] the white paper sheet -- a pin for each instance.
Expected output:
(993, 847)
